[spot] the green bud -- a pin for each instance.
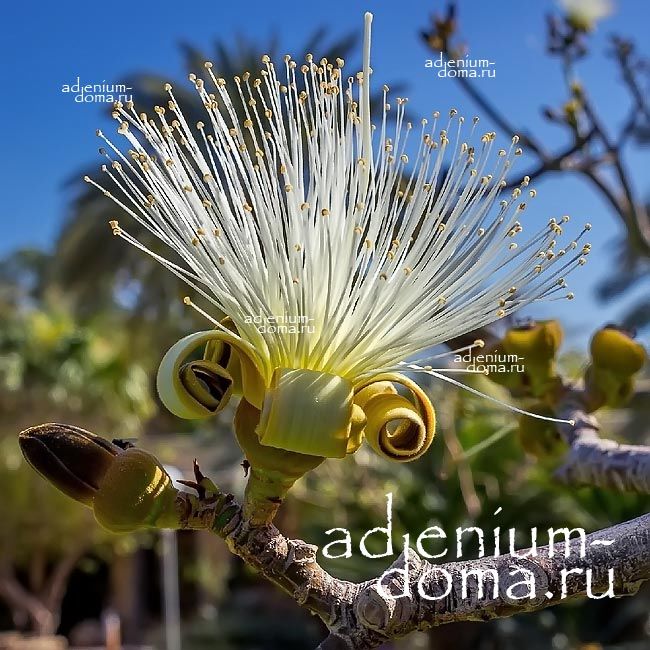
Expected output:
(615, 358)
(516, 382)
(539, 437)
(537, 342)
(604, 388)
(535, 347)
(615, 350)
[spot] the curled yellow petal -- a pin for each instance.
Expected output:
(200, 388)
(362, 395)
(357, 427)
(225, 355)
(307, 411)
(207, 383)
(397, 427)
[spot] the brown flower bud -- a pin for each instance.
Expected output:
(72, 459)
(126, 488)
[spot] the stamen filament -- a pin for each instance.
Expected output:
(511, 407)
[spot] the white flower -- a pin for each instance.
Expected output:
(585, 13)
(385, 239)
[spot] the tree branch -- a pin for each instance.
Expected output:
(577, 157)
(57, 582)
(18, 598)
(363, 616)
(595, 461)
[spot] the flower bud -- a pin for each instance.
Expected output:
(537, 342)
(517, 383)
(534, 346)
(615, 358)
(540, 438)
(604, 388)
(72, 459)
(126, 488)
(582, 15)
(615, 350)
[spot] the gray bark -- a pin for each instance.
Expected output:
(363, 616)
(592, 460)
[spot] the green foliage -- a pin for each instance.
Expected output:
(52, 369)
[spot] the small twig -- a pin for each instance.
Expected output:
(592, 460)
(455, 449)
(562, 161)
(577, 156)
(526, 139)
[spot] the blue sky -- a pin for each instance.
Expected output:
(47, 137)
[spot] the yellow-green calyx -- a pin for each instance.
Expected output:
(615, 358)
(538, 437)
(272, 470)
(301, 410)
(126, 488)
(136, 492)
(533, 346)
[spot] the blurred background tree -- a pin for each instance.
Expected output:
(52, 369)
(594, 149)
